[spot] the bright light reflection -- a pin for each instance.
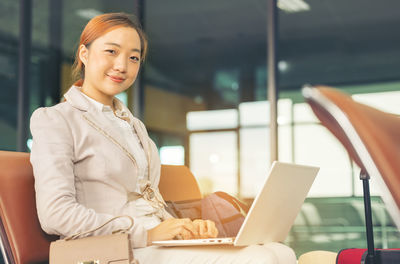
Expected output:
(29, 143)
(172, 155)
(214, 158)
(293, 6)
(283, 66)
(123, 97)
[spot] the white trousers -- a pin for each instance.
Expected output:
(272, 253)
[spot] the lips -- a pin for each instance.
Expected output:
(116, 78)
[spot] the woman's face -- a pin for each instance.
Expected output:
(111, 62)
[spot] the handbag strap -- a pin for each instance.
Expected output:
(101, 226)
(234, 201)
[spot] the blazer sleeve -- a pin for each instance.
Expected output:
(52, 158)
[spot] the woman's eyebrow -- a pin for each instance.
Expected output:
(119, 46)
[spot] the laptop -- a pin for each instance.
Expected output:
(273, 211)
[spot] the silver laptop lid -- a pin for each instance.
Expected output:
(276, 206)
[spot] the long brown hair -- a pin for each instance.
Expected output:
(98, 26)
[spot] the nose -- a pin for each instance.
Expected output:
(120, 64)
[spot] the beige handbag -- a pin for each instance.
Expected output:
(106, 249)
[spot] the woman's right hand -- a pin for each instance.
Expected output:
(171, 228)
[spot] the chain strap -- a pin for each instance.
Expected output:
(110, 138)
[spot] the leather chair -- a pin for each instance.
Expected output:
(372, 139)
(22, 239)
(370, 136)
(173, 178)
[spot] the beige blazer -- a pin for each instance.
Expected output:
(83, 173)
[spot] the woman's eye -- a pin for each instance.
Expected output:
(110, 51)
(135, 59)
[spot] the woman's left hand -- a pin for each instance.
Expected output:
(205, 228)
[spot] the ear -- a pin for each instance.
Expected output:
(83, 54)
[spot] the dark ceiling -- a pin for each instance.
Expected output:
(335, 42)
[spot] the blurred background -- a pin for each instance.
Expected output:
(202, 92)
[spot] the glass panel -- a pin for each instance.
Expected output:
(315, 145)
(254, 159)
(284, 112)
(340, 43)
(10, 17)
(261, 83)
(217, 119)
(285, 143)
(226, 84)
(386, 101)
(9, 33)
(43, 58)
(303, 113)
(204, 55)
(40, 17)
(258, 113)
(213, 160)
(254, 113)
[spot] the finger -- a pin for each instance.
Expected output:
(202, 229)
(186, 234)
(181, 232)
(187, 223)
(185, 220)
(183, 229)
(190, 227)
(177, 225)
(215, 232)
(212, 231)
(196, 228)
(209, 228)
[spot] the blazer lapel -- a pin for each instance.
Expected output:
(98, 122)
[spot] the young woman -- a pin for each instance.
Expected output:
(93, 160)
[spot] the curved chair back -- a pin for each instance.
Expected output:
(177, 183)
(371, 137)
(22, 238)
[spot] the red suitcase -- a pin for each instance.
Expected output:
(358, 256)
